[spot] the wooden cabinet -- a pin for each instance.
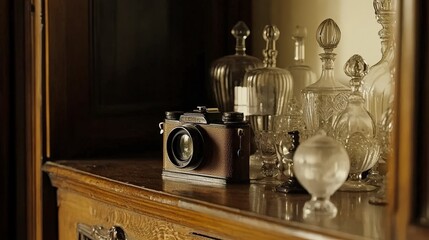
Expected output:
(132, 195)
(82, 123)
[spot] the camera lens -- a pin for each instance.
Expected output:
(185, 146)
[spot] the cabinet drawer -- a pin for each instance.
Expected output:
(74, 209)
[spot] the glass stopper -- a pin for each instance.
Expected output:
(328, 35)
(298, 36)
(271, 35)
(356, 68)
(240, 31)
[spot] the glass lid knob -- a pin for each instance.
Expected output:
(328, 35)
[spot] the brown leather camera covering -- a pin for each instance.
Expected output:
(220, 160)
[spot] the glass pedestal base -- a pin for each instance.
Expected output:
(291, 185)
(319, 208)
(356, 186)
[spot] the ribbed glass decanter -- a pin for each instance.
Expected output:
(326, 98)
(355, 129)
(228, 72)
(379, 89)
(269, 91)
(302, 74)
(269, 88)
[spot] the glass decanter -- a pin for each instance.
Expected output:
(326, 98)
(379, 83)
(269, 88)
(227, 72)
(302, 74)
(355, 129)
(321, 165)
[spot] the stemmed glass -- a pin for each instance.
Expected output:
(265, 141)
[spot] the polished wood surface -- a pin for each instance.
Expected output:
(241, 211)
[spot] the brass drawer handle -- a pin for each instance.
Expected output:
(86, 232)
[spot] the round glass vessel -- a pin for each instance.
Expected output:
(321, 165)
(355, 129)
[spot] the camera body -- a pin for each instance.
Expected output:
(206, 146)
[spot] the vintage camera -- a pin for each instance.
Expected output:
(206, 146)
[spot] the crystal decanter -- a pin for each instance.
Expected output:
(326, 98)
(355, 129)
(379, 83)
(269, 89)
(227, 72)
(301, 73)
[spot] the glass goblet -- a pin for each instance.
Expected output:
(265, 141)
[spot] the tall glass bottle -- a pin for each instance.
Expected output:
(379, 83)
(269, 91)
(301, 73)
(326, 98)
(355, 129)
(227, 72)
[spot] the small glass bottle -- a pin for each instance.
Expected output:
(269, 90)
(355, 129)
(302, 74)
(227, 72)
(326, 98)
(379, 83)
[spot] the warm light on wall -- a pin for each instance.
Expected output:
(355, 18)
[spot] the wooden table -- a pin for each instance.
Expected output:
(132, 194)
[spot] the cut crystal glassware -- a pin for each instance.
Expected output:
(355, 129)
(326, 98)
(291, 185)
(269, 88)
(321, 165)
(227, 73)
(302, 74)
(265, 141)
(379, 83)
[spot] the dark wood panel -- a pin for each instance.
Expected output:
(421, 178)
(5, 130)
(114, 70)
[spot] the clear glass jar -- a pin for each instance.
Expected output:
(227, 73)
(326, 98)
